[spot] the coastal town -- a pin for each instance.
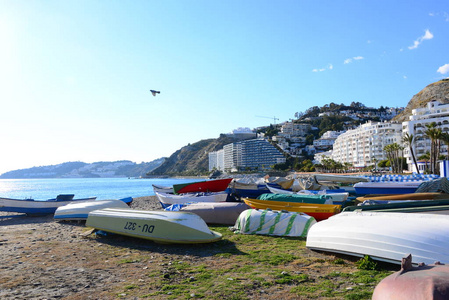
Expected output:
(355, 146)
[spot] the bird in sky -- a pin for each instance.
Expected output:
(154, 92)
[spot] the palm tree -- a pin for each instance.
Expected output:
(434, 134)
(408, 140)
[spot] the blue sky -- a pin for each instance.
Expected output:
(75, 75)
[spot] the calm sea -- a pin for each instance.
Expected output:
(102, 188)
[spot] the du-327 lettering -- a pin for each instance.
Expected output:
(134, 226)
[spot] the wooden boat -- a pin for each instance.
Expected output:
(80, 210)
(268, 222)
(404, 206)
(209, 186)
(384, 236)
(409, 196)
(159, 226)
(169, 199)
(225, 213)
(318, 211)
(338, 196)
(364, 188)
(37, 207)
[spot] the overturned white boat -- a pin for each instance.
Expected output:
(169, 199)
(159, 226)
(80, 210)
(384, 236)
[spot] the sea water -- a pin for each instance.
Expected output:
(102, 188)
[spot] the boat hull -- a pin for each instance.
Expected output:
(36, 207)
(158, 226)
(169, 199)
(80, 211)
(365, 188)
(209, 186)
(318, 211)
(384, 236)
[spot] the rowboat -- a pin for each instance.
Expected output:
(409, 196)
(404, 206)
(159, 226)
(225, 213)
(208, 186)
(318, 211)
(162, 189)
(169, 199)
(297, 198)
(338, 196)
(250, 190)
(384, 236)
(268, 222)
(80, 211)
(37, 207)
(364, 188)
(339, 178)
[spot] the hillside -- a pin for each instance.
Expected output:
(192, 159)
(435, 91)
(124, 168)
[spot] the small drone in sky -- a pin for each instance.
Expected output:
(154, 92)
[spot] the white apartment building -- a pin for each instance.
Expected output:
(326, 141)
(433, 112)
(364, 145)
(216, 160)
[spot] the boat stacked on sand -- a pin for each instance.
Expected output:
(392, 184)
(207, 186)
(384, 236)
(338, 196)
(159, 226)
(318, 209)
(169, 199)
(268, 222)
(37, 207)
(224, 213)
(80, 210)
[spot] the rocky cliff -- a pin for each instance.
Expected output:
(192, 159)
(435, 91)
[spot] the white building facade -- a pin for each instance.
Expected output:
(364, 145)
(216, 160)
(416, 126)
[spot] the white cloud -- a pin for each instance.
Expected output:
(443, 69)
(349, 60)
(329, 67)
(427, 36)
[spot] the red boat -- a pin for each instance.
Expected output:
(209, 186)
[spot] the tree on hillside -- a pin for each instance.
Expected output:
(408, 140)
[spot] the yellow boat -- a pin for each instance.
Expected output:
(318, 211)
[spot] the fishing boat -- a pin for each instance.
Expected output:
(297, 198)
(250, 190)
(278, 223)
(159, 226)
(387, 187)
(384, 236)
(224, 213)
(80, 210)
(38, 207)
(339, 178)
(169, 199)
(207, 186)
(318, 211)
(338, 196)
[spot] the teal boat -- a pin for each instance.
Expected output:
(411, 206)
(297, 198)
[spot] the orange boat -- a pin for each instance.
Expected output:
(318, 211)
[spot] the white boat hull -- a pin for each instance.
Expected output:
(159, 226)
(80, 211)
(29, 206)
(169, 199)
(384, 236)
